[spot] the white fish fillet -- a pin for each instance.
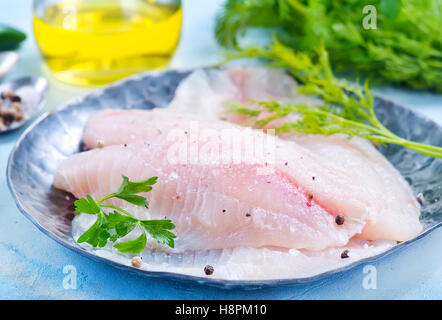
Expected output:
(210, 203)
(394, 212)
(383, 201)
(241, 263)
(249, 226)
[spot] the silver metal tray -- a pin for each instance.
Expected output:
(57, 135)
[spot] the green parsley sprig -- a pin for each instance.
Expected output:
(345, 108)
(119, 223)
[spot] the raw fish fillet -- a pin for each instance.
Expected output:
(216, 205)
(246, 221)
(241, 263)
(350, 176)
(394, 212)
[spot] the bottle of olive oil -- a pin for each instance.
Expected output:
(92, 42)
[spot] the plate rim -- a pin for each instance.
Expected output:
(224, 283)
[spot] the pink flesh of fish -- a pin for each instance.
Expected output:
(393, 210)
(384, 202)
(216, 206)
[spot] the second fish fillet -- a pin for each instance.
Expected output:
(347, 176)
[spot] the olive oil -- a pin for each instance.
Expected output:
(95, 42)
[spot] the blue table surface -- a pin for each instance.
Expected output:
(31, 264)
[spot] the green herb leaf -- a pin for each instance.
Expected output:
(405, 47)
(131, 187)
(119, 223)
(128, 188)
(10, 38)
(158, 230)
(133, 246)
(346, 108)
(98, 234)
(87, 205)
(235, 20)
(134, 199)
(390, 8)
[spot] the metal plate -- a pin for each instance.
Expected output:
(57, 135)
(32, 91)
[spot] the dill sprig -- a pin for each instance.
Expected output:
(345, 107)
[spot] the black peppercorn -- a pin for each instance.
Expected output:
(15, 99)
(208, 270)
(339, 219)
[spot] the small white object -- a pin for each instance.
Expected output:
(8, 61)
(137, 262)
(100, 143)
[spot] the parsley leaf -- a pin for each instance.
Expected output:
(128, 189)
(119, 223)
(98, 234)
(87, 205)
(134, 246)
(390, 8)
(158, 229)
(134, 199)
(131, 187)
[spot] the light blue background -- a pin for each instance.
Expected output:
(31, 264)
